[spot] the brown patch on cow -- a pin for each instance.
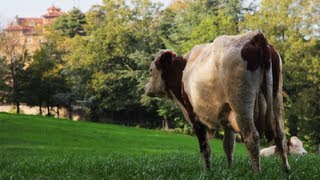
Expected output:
(275, 70)
(256, 52)
(187, 104)
(173, 78)
(164, 61)
(172, 67)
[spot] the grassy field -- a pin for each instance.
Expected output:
(34, 147)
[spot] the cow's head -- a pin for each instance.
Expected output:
(159, 69)
(296, 146)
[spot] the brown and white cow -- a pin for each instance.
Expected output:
(295, 147)
(235, 82)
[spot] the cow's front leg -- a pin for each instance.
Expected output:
(205, 150)
(228, 144)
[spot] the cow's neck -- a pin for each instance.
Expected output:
(175, 89)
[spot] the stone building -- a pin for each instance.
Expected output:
(22, 34)
(29, 32)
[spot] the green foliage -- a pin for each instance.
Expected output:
(4, 87)
(110, 62)
(187, 23)
(45, 78)
(71, 24)
(167, 110)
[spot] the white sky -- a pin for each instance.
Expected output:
(35, 8)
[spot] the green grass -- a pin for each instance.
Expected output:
(34, 147)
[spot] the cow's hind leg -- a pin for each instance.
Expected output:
(244, 117)
(280, 139)
(251, 139)
(204, 146)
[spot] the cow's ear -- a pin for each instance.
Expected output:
(164, 60)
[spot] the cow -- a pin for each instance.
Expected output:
(295, 147)
(234, 82)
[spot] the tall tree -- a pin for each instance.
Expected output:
(4, 79)
(72, 23)
(45, 78)
(16, 56)
(111, 61)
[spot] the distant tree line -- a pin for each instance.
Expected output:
(100, 59)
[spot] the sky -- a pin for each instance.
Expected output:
(35, 8)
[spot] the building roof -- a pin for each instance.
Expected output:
(13, 27)
(53, 8)
(33, 26)
(27, 30)
(29, 21)
(53, 12)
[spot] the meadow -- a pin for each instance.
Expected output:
(37, 147)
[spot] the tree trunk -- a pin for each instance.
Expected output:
(48, 111)
(18, 107)
(94, 114)
(40, 110)
(165, 124)
(70, 113)
(58, 111)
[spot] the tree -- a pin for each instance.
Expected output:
(108, 66)
(65, 100)
(186, 23)
(4, 74)
(72, 23)
(15, 57)
(45, 78)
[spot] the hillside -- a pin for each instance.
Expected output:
(37, 146)
(27, 134)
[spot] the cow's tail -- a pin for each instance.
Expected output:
(267, 87)
(265, 122)
(270, 132)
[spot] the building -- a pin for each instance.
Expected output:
(29, 32)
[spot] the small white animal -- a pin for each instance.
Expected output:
(295, 146)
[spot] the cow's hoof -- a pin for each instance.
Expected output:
(287, 168)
